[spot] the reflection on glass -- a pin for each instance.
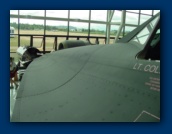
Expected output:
(143, 35)
(57, 13)
(78, 28)
(31, 26)
(97, 29)
(132, 18)
(56, 27)
(99, 15)
(79, 14)
(32, 12)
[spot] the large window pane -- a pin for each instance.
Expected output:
(79, 14)
(38, 42)
(32, 12)
(13, 43)
(114, 30)
(116, 16)
(14, 12)
(128, 29)
(13, 36)
(15, 56)
(143, 35)
(72, 38)
(156, 11)
(146, 12)
(97, 29)
(84, 39)
(78, 28)
(131, 18)
(60, 39)
(95, 40)
(49, 41)
(144, 18)
(99, 15)
(14, 24)
(112, 40)
(56, 27)
(31, 26)
(101, 41)
(57, 13)
(24, 40)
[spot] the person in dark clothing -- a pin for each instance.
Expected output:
(13, 73)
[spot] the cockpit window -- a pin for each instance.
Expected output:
(152, 50)
(156, 38)
(143, 35)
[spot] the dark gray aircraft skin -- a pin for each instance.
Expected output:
(94, 83)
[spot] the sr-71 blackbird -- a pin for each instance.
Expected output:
(95, 83)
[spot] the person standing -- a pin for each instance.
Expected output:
(13, 73)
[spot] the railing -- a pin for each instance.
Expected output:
(57, 40)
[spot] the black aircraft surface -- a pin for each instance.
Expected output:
(95, 83)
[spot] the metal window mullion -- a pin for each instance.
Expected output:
(59, 19)
(139, 17)
(89, 23)
(108, 27)
(18, 29)
(121, 25)
(68, 25)
(44, 23)
(111, 15)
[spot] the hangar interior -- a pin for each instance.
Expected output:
(46, 30)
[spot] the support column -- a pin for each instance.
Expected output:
(121, 25)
